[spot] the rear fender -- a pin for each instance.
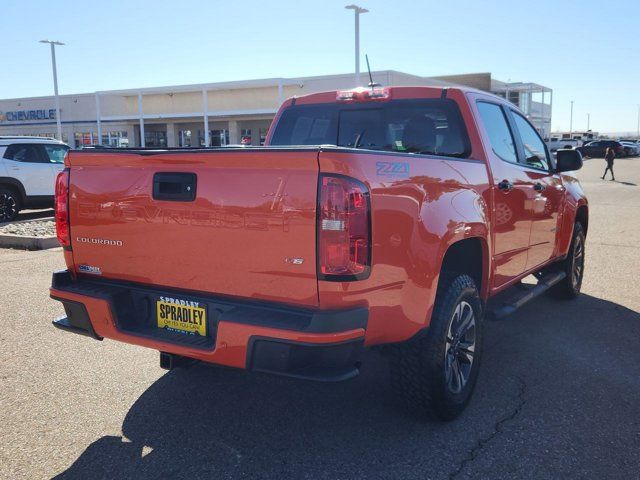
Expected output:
(418, 211)
(468, 219)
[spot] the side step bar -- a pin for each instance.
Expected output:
(506, 306)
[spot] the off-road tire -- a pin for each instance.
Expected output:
(418, 366)
(569, 287)
(10, 204)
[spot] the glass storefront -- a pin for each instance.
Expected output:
(217, 138)
(115, 139)
(65, 137)
(155, 139)
(245, 136)
(85, 139)
(263, 135)
(184, 138)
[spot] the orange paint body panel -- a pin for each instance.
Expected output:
(414, 218)
(251, 212)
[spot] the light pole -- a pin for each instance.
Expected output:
(571, 122)
(638, 130)
(53, 44)
(588, 120)
(357, 11)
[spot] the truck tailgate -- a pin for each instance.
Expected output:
(249, 231)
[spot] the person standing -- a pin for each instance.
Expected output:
(609, 156)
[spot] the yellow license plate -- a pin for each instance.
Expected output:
(181, 316)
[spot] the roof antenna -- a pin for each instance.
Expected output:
(372, 84)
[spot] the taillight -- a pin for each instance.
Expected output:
(62, 208)
(344, 229)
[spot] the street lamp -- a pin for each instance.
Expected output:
(53, 44)
(588, 120)
(357, 11)
(571, 122)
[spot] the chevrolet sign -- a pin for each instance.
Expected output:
(27, 115)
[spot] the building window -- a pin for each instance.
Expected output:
(263, 135)
(245, 136)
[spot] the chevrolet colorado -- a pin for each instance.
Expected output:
(384, 217)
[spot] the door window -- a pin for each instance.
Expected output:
(23, 153)
(495, 123)
(535, 155)
(55, 153)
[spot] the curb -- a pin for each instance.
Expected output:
(28, 243)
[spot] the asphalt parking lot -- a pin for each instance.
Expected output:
(558, 395)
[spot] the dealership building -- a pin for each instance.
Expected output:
(218, 114)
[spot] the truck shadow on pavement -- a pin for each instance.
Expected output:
(207, 422)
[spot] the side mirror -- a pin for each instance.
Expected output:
(568, 160)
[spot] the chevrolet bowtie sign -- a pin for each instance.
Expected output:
(28, 115)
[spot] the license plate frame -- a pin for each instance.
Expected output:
(182, 315)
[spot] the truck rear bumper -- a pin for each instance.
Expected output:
(258, 336)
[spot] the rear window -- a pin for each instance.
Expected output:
(56, 153)
(430, 126)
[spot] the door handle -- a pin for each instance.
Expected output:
(539, 187)
(505, 185)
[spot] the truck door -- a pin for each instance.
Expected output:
(513, 194)
(548, 188)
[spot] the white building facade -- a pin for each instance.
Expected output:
(213, 114)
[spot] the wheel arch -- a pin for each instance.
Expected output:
(15, 185)
(469, 256)
(582, 216)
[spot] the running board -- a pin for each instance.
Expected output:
(525, 293)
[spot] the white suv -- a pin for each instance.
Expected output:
(28, 169)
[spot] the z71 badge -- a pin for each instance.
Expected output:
(392, 169)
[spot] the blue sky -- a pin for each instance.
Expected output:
(587, 51)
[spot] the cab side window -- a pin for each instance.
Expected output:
(23, 153)
(534, 151)
(495, 123)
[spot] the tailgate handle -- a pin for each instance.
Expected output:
(174, 186)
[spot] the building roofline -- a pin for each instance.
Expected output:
(228, 85)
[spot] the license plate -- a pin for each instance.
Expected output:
(182, 316)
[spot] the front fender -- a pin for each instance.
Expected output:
(575, 198)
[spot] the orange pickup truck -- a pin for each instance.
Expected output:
(376, 216)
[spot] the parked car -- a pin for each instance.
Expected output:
(376, 217)
(555, 143)
(631, 149)
(598, 148)
(28, 168)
